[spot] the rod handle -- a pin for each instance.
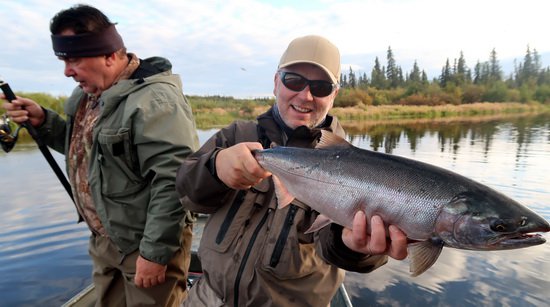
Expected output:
(7, 91)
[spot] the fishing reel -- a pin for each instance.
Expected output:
(7, 137)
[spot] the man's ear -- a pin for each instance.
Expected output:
(275, 84)
(110, 58)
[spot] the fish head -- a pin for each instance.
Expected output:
(488, 220)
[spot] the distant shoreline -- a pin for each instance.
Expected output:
(218, 117)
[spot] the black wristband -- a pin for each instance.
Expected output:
(211, 165)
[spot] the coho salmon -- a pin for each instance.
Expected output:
(433, 206)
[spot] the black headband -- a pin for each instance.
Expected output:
(87, 44)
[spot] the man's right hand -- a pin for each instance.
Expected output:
(237, 167)
(22, 109)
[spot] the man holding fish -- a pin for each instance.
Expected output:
(254, 252)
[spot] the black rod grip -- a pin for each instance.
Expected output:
(7, 91)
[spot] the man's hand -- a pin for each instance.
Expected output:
(237, 167)
(22, 109)
(149, 274)
(357, 239)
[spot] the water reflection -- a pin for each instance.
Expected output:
(43, 252)
(387, 135)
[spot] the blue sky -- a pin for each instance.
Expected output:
(232, 48)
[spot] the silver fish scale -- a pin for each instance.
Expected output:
(339, 183)
(427, 202)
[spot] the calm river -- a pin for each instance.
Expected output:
(43, 252)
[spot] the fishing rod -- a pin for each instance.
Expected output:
(8, 140)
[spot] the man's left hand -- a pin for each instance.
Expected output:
(148, 273)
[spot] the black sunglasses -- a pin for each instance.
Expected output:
(297, 83)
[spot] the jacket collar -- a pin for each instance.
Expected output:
(300, 137)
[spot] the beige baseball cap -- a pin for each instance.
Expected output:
(315, 50)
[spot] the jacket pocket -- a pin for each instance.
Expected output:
(229, 223)
(284, 256)
(117, 164)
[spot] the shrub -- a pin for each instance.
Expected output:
(542, 94)
(352, 97)
(472, 93)
(420, 100)
(498, 92)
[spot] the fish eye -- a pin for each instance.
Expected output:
(498, 226)
(523, 221)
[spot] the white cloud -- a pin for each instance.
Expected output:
(210, 41)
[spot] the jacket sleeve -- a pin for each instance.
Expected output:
(164, 135)
(53, 131)
(197, 184)
(333, 250)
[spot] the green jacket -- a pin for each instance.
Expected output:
(144, 132)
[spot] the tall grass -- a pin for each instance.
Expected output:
(215, 111)
(407, 112)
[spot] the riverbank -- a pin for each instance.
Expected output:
(215, 111)
(216, 117)
(409, 112)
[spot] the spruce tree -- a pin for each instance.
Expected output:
(378, 79)
(495, 72)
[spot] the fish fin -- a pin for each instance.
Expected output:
(423, 255)
(320, 222)
(331, 140)
(284, 198)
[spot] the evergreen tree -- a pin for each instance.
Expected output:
(424, 77)
(363, 81)
(525, 69)
(414, 80)
(462, 75)
(477, 73)
(352, 80)
(528, 65)
(344, 81)
(415, 76)
(485, 73)
(544, 78)
(377, 76)
(536, 61)
(446, 74)
(392, 73)
(495, 72)
(528, 73)
(537, 66)
(400, 78)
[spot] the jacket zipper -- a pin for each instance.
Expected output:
(246, 255)
(283, 236)
(230, 216)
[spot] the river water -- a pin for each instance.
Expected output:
(43, 251)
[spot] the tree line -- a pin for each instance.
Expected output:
(457, 83)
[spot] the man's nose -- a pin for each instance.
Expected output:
(305, 94)
(68, 71)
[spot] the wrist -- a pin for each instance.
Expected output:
(211, 165)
